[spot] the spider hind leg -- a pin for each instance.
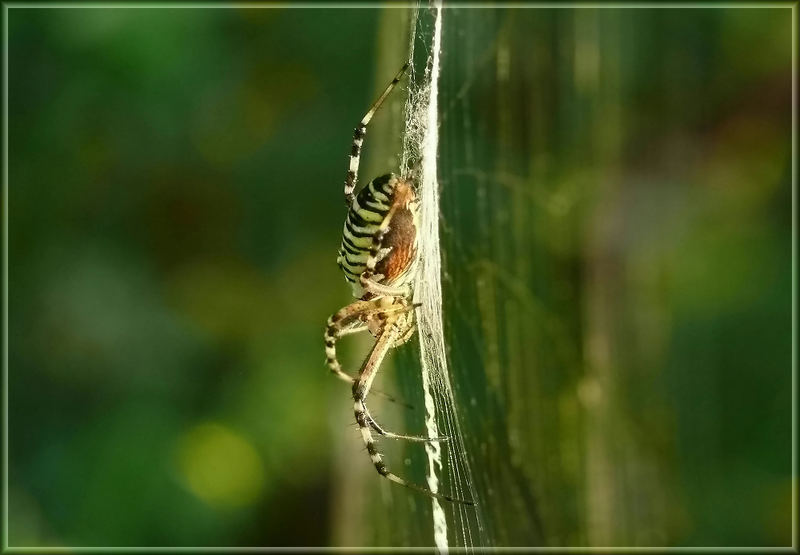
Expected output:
(361, 388)
(391, 435)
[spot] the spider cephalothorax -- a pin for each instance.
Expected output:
(378, 256)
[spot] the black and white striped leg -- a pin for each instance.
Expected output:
(344, 322)
(360, 390)
(348, 321)
(358, 139)
(391, 435)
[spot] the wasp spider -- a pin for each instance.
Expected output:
(378, 256)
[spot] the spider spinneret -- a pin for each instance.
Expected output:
(378, 256)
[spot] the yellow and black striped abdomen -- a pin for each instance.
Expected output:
(368, 211)
(363, 219)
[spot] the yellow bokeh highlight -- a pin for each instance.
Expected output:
(220, 467)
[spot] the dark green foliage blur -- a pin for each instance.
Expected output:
(616, 238)
(175, 209)
(617, 253)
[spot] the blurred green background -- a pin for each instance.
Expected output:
(616, 227)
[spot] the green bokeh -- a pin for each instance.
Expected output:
(175, 208)
(616, 225)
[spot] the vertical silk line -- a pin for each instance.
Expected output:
(428, 289)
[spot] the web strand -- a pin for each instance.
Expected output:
(420, 160)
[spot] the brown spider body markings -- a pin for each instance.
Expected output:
(378, 256)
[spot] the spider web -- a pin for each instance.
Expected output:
(447, 466)
(524, 361)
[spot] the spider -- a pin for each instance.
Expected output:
(378, 256)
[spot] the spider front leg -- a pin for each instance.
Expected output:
(358, 139)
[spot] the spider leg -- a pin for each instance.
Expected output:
(402, 327)
(358, 139)
(391, 435)
(372, 286)
(339, 324)
(345, 322)
(350, 329)
(361, 388)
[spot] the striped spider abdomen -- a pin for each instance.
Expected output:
(391, 198)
